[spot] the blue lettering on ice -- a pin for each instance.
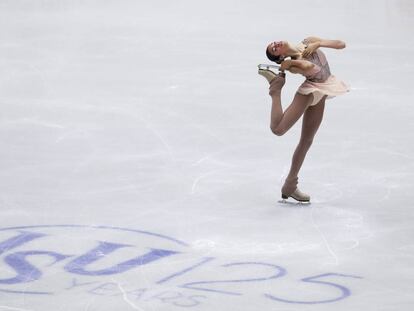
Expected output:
(180, 273)
(26, 272)
(280, 272)
(22, 238)
(83, 264)
(344, 292)
(77, 266)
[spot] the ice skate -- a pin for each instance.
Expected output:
(290, 190)
(298, 195)
(268, 67)
(268, 71)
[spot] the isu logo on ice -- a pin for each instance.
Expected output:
(33, 257)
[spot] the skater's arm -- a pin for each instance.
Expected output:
(325, 43)
(296, 66)
(313, 43)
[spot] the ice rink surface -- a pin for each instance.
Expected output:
(138, 170)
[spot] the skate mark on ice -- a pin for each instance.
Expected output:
(328, 247)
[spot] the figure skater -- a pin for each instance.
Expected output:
(307, 59)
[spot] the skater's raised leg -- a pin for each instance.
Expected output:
(281, 121)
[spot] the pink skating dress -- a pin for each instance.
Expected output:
(319, 80)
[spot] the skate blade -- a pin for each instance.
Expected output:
(268, 66)
(294, 203)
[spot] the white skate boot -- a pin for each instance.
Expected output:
(290, 190)
(298, 196)
(268, 72)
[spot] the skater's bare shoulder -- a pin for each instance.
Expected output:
(325, 43)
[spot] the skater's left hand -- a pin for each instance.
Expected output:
(312, 47)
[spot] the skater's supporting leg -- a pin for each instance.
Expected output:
(310, 125)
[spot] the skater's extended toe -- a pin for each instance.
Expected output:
(268, 74)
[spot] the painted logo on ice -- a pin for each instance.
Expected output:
(34, 259)
(81, 251)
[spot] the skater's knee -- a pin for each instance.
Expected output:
(277, 130)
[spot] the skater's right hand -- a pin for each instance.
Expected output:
(285, 65)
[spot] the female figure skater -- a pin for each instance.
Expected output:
(308, 60)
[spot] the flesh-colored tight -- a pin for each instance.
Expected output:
(281, 121)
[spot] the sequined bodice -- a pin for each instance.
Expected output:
(321, 71)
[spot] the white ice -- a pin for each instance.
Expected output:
(144, 123)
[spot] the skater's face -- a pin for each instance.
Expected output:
(277, 48)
